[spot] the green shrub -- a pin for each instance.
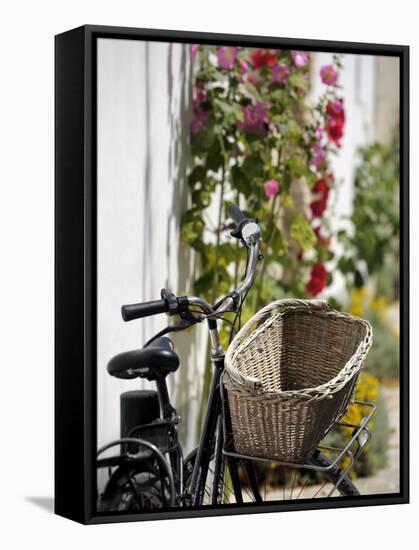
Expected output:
(383, 360)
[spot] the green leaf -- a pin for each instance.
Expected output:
(239, 180)
(346, 265)
(299, 82)
(252, 90)
(294, 130)
(279, 245)
(287, 200)
(203, 140)
(214, 157)
(302, 232)
(203, 283)
(192, 226)
(198, 174)
(297, 166)
(253, 167)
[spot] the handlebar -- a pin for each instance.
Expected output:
(237, 215)
(143, 309)
(248, 231)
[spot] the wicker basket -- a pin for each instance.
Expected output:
(290, 373)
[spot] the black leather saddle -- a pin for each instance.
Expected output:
(155, 361)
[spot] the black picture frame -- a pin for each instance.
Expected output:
(75, 269)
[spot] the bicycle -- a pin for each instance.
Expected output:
(151, 472)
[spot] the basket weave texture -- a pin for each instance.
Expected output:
(290, 374)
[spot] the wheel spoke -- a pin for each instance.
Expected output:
(293, 483)
(320, 488)
(302, 486)
(265, 481)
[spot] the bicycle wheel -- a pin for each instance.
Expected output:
(132, 490)
(272, 483)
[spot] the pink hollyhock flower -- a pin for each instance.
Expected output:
(319, 134)
(318, 280)
(255, 118)
(271, 188)
(244, 66)
(335, 121)
(328, 74)
(319, 204)
(200, 91)
(263, 58)
(194, 50)
(280, 73)
(334, 108)
(300, 59)
(200, 119)
(318, 156)
(226, 57)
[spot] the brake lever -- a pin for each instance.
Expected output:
(183, 310)
(182, 325)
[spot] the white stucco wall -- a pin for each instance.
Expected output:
(143, 128)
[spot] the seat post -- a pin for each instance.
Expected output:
(168, 411)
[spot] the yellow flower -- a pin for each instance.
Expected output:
(367, 390)
(379, 304)
(358, 296)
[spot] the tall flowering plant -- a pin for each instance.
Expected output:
(258, 141)
(256, 138)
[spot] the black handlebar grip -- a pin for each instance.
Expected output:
(236, 215)
(144, 309)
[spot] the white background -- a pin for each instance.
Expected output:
(26, 218)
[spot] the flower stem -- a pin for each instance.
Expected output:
(208, 364)
(258, 295)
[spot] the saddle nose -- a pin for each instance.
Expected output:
(155, 361)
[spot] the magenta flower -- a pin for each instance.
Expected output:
(271, 188)
(328, 75)
(319, 134)
(200, 119)
(335, 107)
(244, 66)
(318, 156)
(200, 91)
(255, 118)
(226, 57)
(280, 73)
(194, 50)
(300, 59)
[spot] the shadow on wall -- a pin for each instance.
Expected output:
(191, 344)
(147, 210)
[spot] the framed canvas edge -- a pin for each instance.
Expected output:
(69, 398)
(83, 447)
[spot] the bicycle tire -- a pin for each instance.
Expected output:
(131, 490)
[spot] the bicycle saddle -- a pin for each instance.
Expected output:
(155, 361)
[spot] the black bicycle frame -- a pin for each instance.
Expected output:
(210, 446)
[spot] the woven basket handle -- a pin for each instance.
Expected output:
(247, 381)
